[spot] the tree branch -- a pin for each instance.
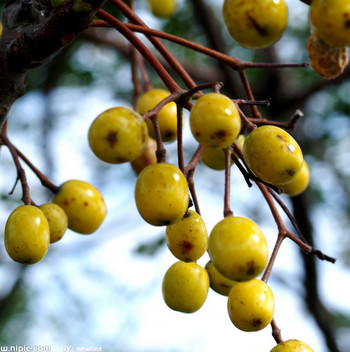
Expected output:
(33, 31)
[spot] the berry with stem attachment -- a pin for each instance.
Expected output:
(83, 204)
(215, 121)
(187, 239)
(251, 305)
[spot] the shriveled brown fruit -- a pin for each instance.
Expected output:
(147, 157)
(326, 61)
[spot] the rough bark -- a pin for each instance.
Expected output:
(33, 31)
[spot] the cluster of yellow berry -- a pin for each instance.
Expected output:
(30, 229)
(236, 246)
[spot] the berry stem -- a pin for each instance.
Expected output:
(227, 209)
(192, 189)
(43, 179)
(161, 151)
(249, 92)
(174, 63)
(287, 125)
(276, 332)
(180, 153)
(134, 55)
(21, 175)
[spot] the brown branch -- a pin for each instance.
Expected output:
(21, 175)
(173, 62)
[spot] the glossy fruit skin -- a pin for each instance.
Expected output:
(255, 23)
(299, 183)
(187, 239)
(161, 194)
(27, 235)
(251, 305)
(57, 219)
(292, 346)
(330, 20)
(83, 204)
(215, 121)
(147, 157)
(118, 135)
(167, 117)
(185, 287)
(219, 283)
(163, 8)
(238, 248)
(273, 155)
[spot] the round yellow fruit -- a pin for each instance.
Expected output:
(300, 183)
(238, 248)
(163, 8)
(330, 20)
(273, 155)
(167, 117)
(27, 234)
(57, 219)
(292, 346)
(255, 23)
(161, 194)
(118, 135)
(251, 305)
(185, 287)
(215, 121)
(218, 282)
(187, 239)
(83, 204)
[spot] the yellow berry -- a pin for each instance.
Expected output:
(27, 234)
(251, 305)
(57, 219)
(215, 121)
(185, 287)
(218, 282)
(163, 8)
(118, 135)
(161, 194)
(292, 346)
(330, 20)
(83, 204)
(238, 248)
(273, 155)
(167, 117)
(300, 183)
(255, 23)
(147, 156)
(187, 239)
